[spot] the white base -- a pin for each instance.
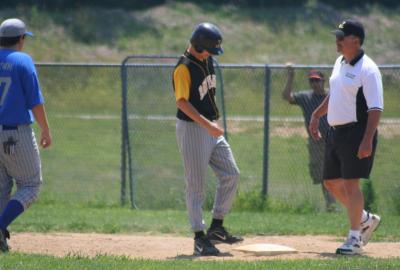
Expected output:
(265, 249)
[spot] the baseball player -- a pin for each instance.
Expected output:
(308, 101)
(200, 138)
(20, 97)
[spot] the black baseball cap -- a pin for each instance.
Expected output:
(350, 27)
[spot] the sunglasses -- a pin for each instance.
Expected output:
(314, 80)
(341, 38)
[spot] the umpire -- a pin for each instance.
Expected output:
(19, 154)
(354, 107)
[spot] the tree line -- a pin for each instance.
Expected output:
(141, 4)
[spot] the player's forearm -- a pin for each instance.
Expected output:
(191, 111)
(287, 91)
(372, 124)
(287, 94)
(41, 117)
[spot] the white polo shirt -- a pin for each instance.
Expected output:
(355, 89)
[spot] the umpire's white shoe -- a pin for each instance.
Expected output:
(352, 246)
(369, 226)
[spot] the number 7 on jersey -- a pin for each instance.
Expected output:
(5, 83)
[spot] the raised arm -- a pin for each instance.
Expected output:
(287, 91)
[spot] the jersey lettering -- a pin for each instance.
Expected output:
(4, 66)
(208, 83)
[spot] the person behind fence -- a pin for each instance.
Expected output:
(200, 138)
(308, 101)
(354, 107)
(19, 155)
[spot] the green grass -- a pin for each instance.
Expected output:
(83, 165)
(101, 219)
(23, 261)
(97, 90)
(83, 218)
(261, 35)
(82, 169)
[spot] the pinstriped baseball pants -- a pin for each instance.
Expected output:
(199, 149)
(23, 166)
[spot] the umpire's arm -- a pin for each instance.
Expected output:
(316, 115)
(373, 93)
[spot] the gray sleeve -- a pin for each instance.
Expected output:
(300, 98)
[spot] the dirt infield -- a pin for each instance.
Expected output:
(167, 247)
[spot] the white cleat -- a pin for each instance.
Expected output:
(368, 227)
(352, 246)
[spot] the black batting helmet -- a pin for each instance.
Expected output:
(207, 37)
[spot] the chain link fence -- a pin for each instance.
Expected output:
(84, 105)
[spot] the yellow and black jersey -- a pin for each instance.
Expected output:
(195, 81)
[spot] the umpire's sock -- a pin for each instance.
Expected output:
(13, 209)
(215, 223)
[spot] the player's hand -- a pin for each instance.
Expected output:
(313, 128)
(215, 130)
(290, 68)
(45, 138)
(365, 149)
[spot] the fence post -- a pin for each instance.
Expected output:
(130, 169)
(126, 146)
(267, 95)
(123, 130)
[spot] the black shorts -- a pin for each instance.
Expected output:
(341, 150)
